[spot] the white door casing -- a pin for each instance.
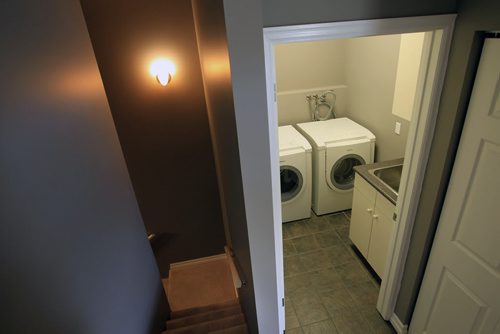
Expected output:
(461, 287)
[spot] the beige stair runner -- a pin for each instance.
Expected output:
(203, 298)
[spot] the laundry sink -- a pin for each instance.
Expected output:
(390, 176)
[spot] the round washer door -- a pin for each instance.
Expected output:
(291, 181)
(342, 172)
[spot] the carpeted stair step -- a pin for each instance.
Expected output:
(200, 282)
(210, 326)
(203, 317)
(240, 329)
(197, 310)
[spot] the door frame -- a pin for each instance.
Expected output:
(419, 138)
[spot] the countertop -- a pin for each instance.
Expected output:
(363, 171)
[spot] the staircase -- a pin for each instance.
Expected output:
(203, 297)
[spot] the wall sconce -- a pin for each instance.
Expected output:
(163, 69)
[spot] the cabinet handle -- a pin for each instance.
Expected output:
(375, 216)
(369, 210)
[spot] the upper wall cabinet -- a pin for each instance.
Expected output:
(407, 78)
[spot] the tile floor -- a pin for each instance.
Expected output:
(328, 289)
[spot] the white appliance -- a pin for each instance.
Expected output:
(338, 145)
(295, 174)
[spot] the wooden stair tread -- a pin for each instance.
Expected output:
(210, 326)
(204, 316)
(240, 329)
(197, 310)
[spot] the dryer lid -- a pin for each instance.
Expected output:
(333, 130)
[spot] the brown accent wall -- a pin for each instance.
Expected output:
(214, 57)
(163, 131)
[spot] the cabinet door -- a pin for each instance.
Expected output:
(361, 221)
(382, 228)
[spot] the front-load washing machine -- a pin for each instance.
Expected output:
(338, 145)
(295, 174)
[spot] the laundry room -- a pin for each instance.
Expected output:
(344, 109)
(368, 75)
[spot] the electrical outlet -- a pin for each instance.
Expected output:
(397, 128)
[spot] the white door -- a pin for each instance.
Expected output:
(461, 288)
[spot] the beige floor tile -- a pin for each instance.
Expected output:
(295, 229)
(322, 327)
(328, 238)
(297, 330)
(288, 248)
(377, 324)
(318, 224)
(328, 288)
(353, 273)
(316, 260)
(291, 321)
(293, 283)
(364, 293)
(343, 231)
(305, 244)
(293, 265)
(326, 279)
(304, 296)
(334, 300)
(310, 313)
(337, 219)
(339, 255)
(350, 321)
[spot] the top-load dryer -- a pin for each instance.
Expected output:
(338, 146)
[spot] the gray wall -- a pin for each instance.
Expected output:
(73, 250)
(289, 12)
(164, 131)
(214, 59)
(473, 16)
(244, 36)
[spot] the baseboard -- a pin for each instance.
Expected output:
(178, 265)
(234, 272)
(398, 325)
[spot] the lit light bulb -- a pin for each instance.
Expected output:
(163, 69)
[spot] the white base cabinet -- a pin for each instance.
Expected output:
(371, 224)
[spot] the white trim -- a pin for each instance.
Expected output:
(398, 325)
(234, 271)
(349, 29)
(178, 265)
(417, 149)
(419, 138)
(272, 118)
(309, 90)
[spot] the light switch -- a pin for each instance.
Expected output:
(397, 128)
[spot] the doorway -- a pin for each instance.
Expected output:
(419, 136)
